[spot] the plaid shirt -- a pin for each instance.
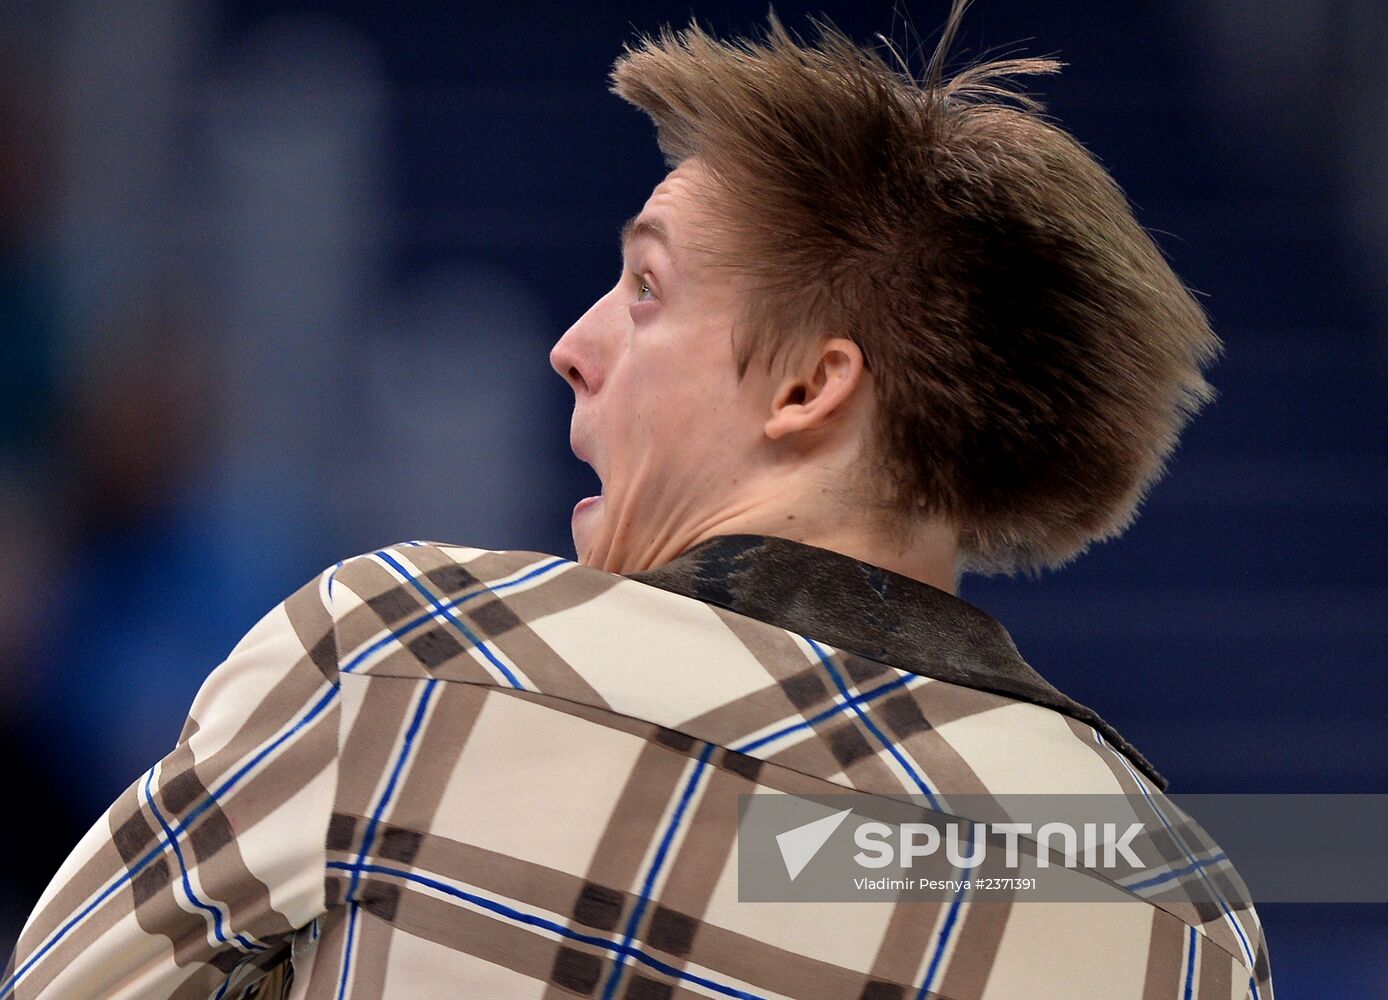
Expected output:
(444, 771)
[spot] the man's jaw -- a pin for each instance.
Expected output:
(609, 535)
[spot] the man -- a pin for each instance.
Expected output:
(869, 334)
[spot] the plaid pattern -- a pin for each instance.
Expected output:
(445, 771)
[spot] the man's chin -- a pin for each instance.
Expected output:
(584, 523)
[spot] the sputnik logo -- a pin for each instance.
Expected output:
(800, 845)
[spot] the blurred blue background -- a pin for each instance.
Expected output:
(278, 281)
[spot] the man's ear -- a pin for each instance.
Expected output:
(817, 387)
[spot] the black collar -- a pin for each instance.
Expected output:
(870, 611)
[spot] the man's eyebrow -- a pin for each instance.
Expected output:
(637, 226)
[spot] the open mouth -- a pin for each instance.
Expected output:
(587, 502)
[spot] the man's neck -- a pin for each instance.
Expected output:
(929, 553)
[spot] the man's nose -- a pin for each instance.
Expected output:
(573, 356)
(564, 360)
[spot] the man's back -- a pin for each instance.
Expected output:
(442, 771)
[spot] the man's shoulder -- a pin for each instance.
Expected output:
(402, 587)
(404, 579)
(437, 577)
(456, 606)
(438, 562)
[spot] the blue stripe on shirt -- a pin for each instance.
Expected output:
(892, 748)
(1191, 941)
(1180, 841)
(216, 911)
(835, 709)
(648, 886)
(541, 923)
(943, 937)
(1175, 872)
(411, 733)
(385, 556)
(429, 616)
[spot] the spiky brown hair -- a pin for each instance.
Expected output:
(1034, 356)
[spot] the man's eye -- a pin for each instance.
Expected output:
(643, 290)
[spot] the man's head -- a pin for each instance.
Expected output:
(685, 444)
(907, 302)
